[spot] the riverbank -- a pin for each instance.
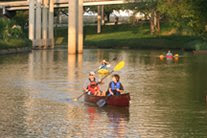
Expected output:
(15, 46)
(134, 37)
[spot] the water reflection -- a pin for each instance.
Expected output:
(168, 100)
(117, 119)
(71, 67)
(74, 62)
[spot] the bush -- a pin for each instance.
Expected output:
(8, 30)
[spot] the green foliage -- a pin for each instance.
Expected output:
(21, 18)
(186, 14)
(108, 9)
(180, 13)
(133, 36)
(199, 44)
(136, 36)
(9, 29)
(146, 6)
(15, 43)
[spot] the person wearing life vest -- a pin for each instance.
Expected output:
(91, 85)
(104, 65)
(93, 88)
(169, 55)
(115, 86)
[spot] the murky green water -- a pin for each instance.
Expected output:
(167, 97)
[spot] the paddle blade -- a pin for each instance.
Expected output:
(119, 66)
(75, 99)
(101, 102)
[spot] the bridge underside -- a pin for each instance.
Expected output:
(24, 5)
(41, 18)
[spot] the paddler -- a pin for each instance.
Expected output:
(104, 65)
(115, 86)
(91, 86)
(169, 55)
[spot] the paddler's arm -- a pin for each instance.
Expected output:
(100, 82)
(121, 90)
(110, 91)
(85, 85)
(108, 65)
(85, 90)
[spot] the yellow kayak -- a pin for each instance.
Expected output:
(103, 71)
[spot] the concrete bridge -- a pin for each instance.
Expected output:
(24, 5)
(41, 14)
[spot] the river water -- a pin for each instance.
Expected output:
(168, 98)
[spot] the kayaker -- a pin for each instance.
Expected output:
(91, 86)
(115, 86)
(169, 55)
(104, 65)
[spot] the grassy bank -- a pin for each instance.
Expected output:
(14, 43)
(134, 36)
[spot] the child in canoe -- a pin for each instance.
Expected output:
(115, 86)
(91, 86)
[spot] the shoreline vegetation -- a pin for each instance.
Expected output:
(129, 36)
(13, 36)
(15, 46)
(15, 43)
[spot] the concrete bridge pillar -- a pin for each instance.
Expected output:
(51, 23)
(99, 19)
(41, 22)
(45, 24)
(102, 15)
(38, 23)
(41, 30)
(80, 27)
(75, 27)
(31, 19)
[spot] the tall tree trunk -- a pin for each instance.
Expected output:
(108, 16)
(152, 26)
(158, 22)
(155, 19)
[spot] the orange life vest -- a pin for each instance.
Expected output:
(93, 87)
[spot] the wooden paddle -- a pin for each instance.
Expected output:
(76, 99)
(118, 67)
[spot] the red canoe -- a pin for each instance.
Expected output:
(120, 100)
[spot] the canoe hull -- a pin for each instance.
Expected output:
(120, 100)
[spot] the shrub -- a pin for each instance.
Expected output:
(9, 30)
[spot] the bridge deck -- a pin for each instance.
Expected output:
(24, 5)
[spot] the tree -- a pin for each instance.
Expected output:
(186, 14)
(150, 9)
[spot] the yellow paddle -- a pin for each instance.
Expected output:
(118, 67)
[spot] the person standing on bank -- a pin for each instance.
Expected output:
(115, 86)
